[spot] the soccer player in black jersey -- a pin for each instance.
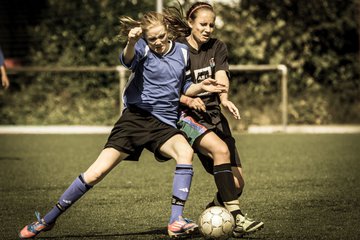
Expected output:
(202, 120)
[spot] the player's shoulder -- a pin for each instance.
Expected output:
(214, 43)
(181, 49)
(181, 45)
(182, 40)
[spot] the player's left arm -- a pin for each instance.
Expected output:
(222, 78)
(129, 50)
(207, 85)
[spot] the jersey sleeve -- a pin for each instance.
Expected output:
(140, 52)
(221, 57)
(188, 80)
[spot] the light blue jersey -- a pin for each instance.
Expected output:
(157, 82)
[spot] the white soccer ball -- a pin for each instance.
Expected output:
(216, 223)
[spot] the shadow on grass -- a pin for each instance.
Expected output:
(10, 158)
(151, 234)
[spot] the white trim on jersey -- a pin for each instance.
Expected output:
(185, 54)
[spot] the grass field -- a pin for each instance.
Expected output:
(301, 186)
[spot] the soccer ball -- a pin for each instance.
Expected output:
(216, 223)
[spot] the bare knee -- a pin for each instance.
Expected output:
(220, 153)
(184, 154)
(178, 148)
(106, 161)
(93, 176)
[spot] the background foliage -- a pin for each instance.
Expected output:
(318, 41)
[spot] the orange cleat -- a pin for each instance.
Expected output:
(33, 229)
(181, 227)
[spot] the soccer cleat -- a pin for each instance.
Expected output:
(245, 225)
(33, 229)
(182, 227)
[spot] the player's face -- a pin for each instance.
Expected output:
(157, 39)
(203, 25)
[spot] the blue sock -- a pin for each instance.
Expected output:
(74, 192)
(181, 188)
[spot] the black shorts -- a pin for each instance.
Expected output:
(222, 130)
(137, 129)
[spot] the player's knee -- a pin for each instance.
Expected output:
(184, 153)
(221, 153)
(93, 176)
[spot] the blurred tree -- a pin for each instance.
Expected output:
(318, 41)
(82, 32)
(71, 33)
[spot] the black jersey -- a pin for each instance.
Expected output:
(205, 62)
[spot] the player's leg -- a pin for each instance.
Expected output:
(214, 155)
(207, 143)
(236, 168)
(224, 132)
(211, 145)
(238, 180)
(247, 224)
(178, 148)
(107, 160)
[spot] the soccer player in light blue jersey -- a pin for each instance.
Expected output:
(159, 76)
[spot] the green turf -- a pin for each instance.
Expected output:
(301, 186)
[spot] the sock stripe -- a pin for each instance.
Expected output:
(183, 166)
(222, 171)
(177, 201)
(225, 182)
(222, 167)
(61, 208)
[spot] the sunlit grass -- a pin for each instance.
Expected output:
(301, 186)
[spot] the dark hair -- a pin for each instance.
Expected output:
(191, 13)
(178, 25)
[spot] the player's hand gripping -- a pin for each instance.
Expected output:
(211, 85)
(196, 103)
(232, 108)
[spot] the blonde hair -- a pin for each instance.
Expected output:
(172, 19)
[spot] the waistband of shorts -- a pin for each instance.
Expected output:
(136, 109)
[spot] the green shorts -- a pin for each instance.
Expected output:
(191, 128)
(194, 130)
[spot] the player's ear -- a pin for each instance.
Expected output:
(189, 22)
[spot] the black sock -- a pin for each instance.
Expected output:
(225, 182)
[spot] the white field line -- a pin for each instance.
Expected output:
(54, 129)
(305, 129)
(79, 129)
